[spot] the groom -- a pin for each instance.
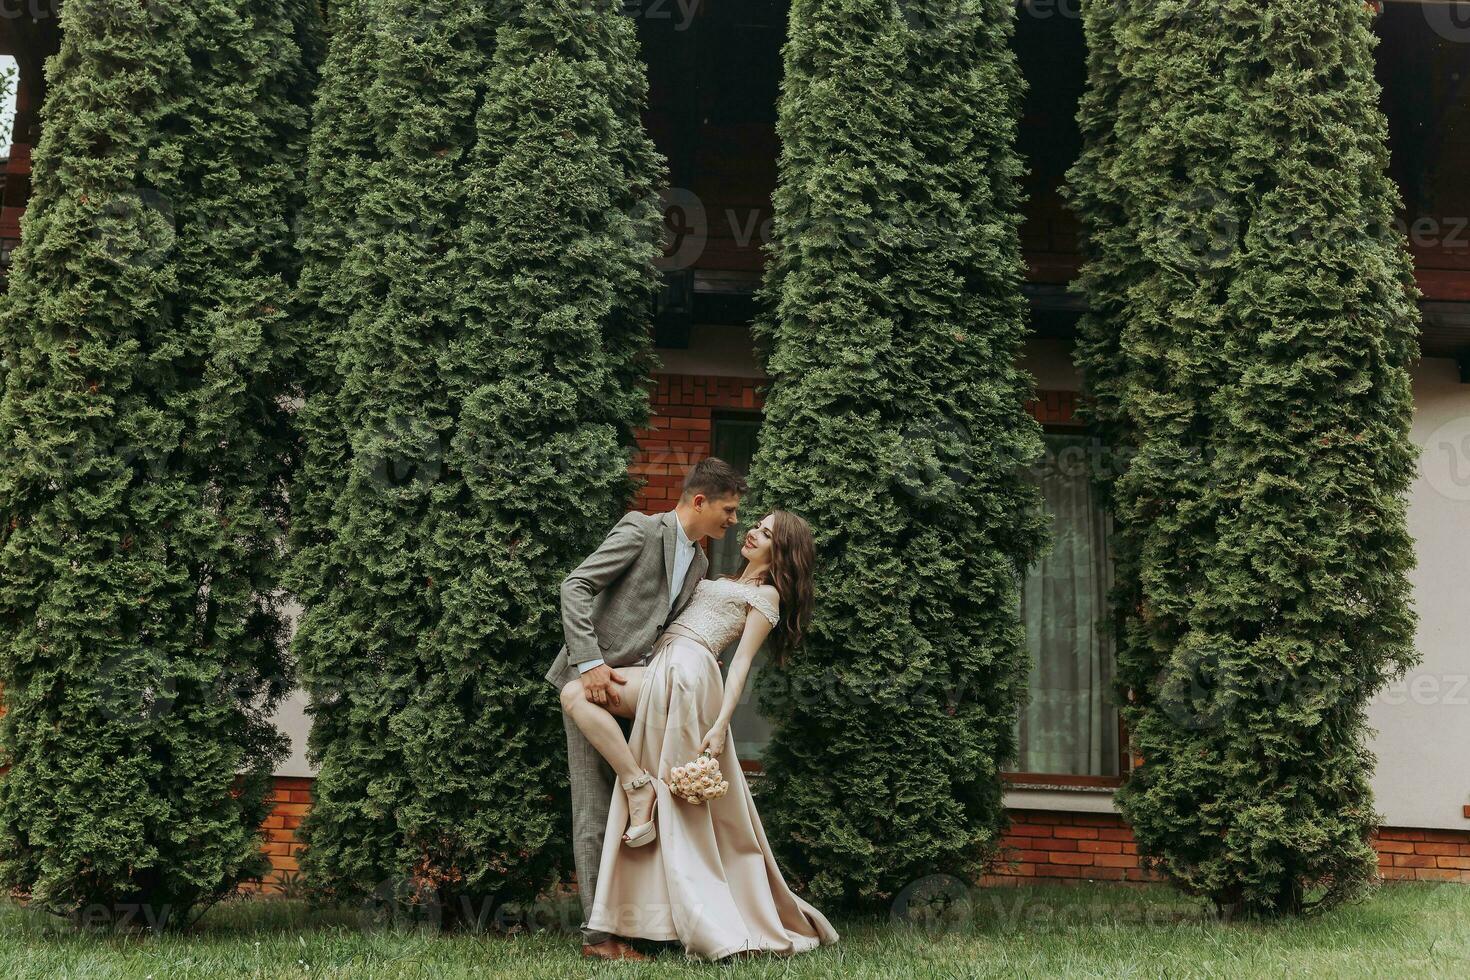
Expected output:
(614, 607)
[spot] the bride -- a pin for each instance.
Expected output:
(711, 882)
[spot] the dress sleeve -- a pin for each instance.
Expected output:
(763, 605)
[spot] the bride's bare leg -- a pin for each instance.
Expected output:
(627, 706)
(606, 736)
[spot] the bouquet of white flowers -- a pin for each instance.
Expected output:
(699, 780)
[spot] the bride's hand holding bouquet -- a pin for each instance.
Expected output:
(699, 781)
(714, 740)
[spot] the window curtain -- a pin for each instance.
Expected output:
(1070, 726)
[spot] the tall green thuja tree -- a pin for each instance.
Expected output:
(342, 156)
(340, 258)
(490, 384)
(1260, 333)
(1100, 193)
(143, 457)
(1147, 373)
(549, 382)
(376, 416)
(895, 424)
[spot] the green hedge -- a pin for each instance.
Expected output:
(895, 424)
(1253, 316)
(143, 454)
(492, 343)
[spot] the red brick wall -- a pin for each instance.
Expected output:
(1043, 844)
(679, 434)
(291, 799)
(1423, 855)
(1077, 846)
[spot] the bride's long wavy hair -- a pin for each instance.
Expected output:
(793, 559)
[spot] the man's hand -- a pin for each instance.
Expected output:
(600, 684)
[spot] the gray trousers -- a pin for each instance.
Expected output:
(592, 783)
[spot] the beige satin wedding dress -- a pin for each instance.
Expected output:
(709, 880)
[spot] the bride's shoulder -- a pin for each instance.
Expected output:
(767, 600)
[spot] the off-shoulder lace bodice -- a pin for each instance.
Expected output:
(716, 612)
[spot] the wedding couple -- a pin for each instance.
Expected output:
(643, 630)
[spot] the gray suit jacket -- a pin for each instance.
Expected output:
(615, 604)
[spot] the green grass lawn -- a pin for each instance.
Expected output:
(1406, 930)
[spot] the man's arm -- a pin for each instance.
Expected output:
(580, 588)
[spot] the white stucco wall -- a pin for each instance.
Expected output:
(291, 718)
(1423, 722)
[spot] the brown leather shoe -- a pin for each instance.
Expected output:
(612, 949)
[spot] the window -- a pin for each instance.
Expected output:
(1070, 727)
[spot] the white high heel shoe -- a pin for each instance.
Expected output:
(644, 832)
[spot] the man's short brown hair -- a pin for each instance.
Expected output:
(714, 478)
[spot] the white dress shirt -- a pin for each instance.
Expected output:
(683, 557)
